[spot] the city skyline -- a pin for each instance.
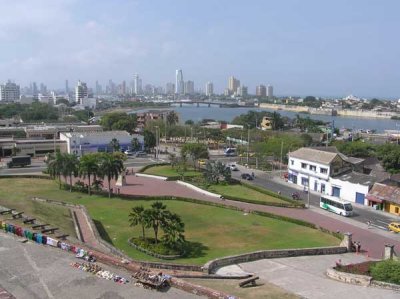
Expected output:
(301, 48)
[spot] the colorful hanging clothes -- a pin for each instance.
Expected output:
(44, 240)
(51, 242)
(39, 238)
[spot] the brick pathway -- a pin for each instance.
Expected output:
(370, 241)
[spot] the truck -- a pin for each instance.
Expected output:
(21, 161)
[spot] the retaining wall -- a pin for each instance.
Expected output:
(213, 265)
(163, 178)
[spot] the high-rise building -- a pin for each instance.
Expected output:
(81, 91)
(242, 91)
(270, 91)
(35, 91)
(233, 84)
(209, 89)
(66, 87)
(261, 91)
(98, 88)
(9, 92)
(43, 89)
(189, 87)
(137, 84)
(179, 83)
(170, 88)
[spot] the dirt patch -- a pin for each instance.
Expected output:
(263, 289)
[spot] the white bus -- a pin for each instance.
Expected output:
(230, 152)
(336, 205)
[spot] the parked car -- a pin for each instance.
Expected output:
(247, 176)
(394, 227)
(233, 167)
(129, 153)
(141, 154)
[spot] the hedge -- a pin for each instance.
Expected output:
(144, 168)
(264, 203)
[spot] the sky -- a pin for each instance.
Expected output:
(301, 47)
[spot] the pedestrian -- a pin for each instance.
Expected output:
(279, 192)
(252, 174)
(369, 224)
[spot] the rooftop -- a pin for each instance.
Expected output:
(313, 155)
(357, 178)
(385, 192)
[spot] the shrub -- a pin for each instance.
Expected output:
(387, 271)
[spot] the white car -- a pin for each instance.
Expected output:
(128, 153)
(233, 167)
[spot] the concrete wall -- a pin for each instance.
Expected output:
(213, 265)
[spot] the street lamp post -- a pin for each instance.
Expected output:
(248, 145)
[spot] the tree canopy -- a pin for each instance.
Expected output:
(119, 121)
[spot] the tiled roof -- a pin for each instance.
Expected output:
(313, 155)
(386, 192)
(357, 178)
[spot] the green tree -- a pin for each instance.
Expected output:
(149, 140)
(110, 167)
(189, 122)
(276, 121)
(70, 166)
(114, 145)
(389, 154)
(135, 144)
(138, 216)
(174, 229)
(88, 167)
(119, 121)
(172, 118)
(55, 166)
(196, 151)
(214, 170)
(156, 216)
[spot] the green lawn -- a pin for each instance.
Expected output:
(168, 171)
(244, 192)
(213, 232)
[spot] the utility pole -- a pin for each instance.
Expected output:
(308, 192)
(248, 145)
(280, 166)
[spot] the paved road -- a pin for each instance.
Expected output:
(271, 181)
(29, 270)
(305, 276)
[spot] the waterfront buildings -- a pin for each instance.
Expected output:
(81, 91)
(209, 89)
(270, 91)
(9, 92)
(137, 84)
(189, 87)
(179, 83)
(242, 91)
(233, 84)
(170, 88)
(261, 91)
(67, 87)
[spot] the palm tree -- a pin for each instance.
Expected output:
(110, 167)
(138, 216)
(88, 166)
(114, 144)
(172, 118)
(173, 228)
(55, 165)
(156, 216)
(70, 167)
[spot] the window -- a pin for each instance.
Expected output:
(291, 162)
(323, 170)
(313, 168)
(304, 165)
(304, 181)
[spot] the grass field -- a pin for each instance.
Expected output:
(168, 171)
(242, 191)
(213, 232)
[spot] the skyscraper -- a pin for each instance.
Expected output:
(270, 91)
(242, 91)
(233, 84)
(98, 88)
(81, 91)
(209, 89)
(137, 84)
(261, 91)
(9, 92)
(34, 90)
(66, 87)
(189, 87)
(170, 88)
(179, 83)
